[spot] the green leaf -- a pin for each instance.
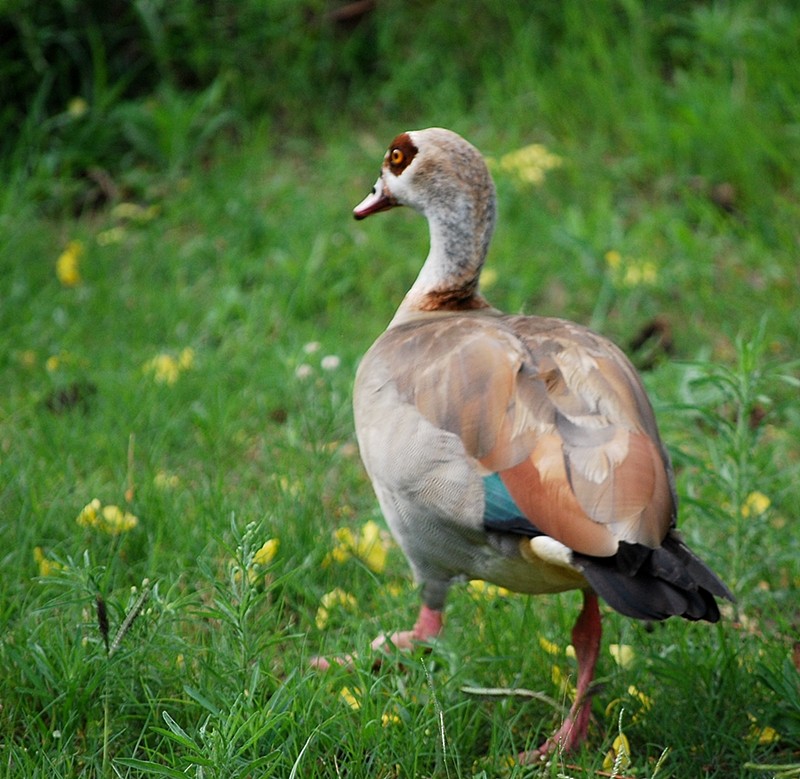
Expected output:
(148, 766)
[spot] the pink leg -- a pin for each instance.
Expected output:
(586, 640)
(428, 625)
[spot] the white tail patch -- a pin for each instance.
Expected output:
(552, 551)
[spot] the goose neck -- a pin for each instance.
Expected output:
(459, 240)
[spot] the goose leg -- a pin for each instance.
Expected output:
(428, 625)
(586, 641)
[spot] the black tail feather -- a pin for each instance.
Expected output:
(654, 584)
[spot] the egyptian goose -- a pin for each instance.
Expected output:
(520, 450)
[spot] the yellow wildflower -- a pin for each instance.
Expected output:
(68, 264)
(349, 698)
(619, 756)
(126, 210)
(613, 259)
(134, 212)
(116, 521)
(166, 368)
(166, 481)
(368, 546)
(530, 163)
(488, 278)
(108, 519)
(763, 735)
(46, 567)
(267, 552)
(293, 489)
(554, 649)
(186, 358)
(623, 654)
(341, 552)
(77, 107)
(89, 514)
(336, 597)
(766, 735)
(262, 557)
(639, 273)
(111, 236)
(549, 646)
(396, 589)
(389, 719)
(487, 590)
(563, 682)
(645, 700)
(629, 272)
(755, 504)
(63, 360)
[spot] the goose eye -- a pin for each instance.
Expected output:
(396, 157)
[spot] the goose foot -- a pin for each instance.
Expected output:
(428, 625)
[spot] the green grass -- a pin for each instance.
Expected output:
(246, 253)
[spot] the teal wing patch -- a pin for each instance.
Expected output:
(500, 512)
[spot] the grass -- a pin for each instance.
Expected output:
(189, 379)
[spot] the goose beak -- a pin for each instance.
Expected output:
(377, 200)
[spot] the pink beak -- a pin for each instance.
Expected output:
(377, 200)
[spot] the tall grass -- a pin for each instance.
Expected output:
(196, 374)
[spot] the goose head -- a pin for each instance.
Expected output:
(443, 177)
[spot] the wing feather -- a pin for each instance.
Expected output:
(556, 410)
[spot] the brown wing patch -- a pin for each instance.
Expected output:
(540, 487)
(629, 491)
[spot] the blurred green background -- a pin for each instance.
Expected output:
(184, 297)
(677, 87)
